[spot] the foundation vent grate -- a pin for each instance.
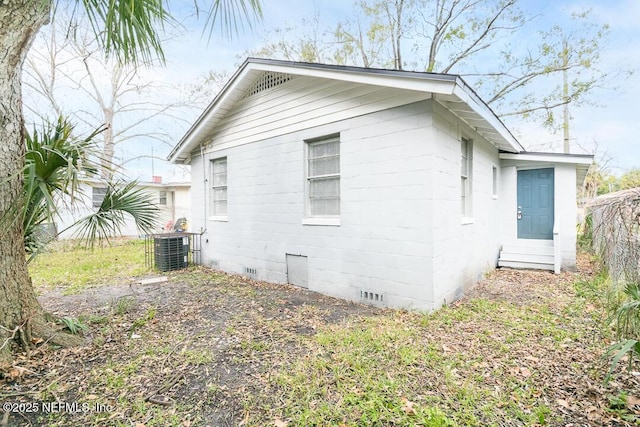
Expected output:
(250, 271)
(371, 296)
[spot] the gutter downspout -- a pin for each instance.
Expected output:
(204, 189)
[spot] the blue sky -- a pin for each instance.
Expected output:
(612, 125)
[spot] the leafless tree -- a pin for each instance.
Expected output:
(134, 108)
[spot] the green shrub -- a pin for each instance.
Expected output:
(625, 319)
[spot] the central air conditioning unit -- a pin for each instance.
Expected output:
(171, 252)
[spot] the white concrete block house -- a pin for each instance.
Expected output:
(388, 187)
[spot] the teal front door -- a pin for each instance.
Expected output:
(535, 204)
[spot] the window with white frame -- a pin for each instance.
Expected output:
(163, 198)
(219, 187)
(97, 196)
(466, 172)
(323, 177)
(495, 182)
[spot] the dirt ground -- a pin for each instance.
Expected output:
(188, 351)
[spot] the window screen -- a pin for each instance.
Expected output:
(219, 186)
(97, 196)
(323, 176)
(466, 152)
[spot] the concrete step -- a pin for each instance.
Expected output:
(535, 256)
(520, 257)
(522, 264)
(528, 250)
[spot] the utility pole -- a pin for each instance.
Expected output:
(565, 94)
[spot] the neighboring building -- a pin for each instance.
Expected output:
(173, 200)
(388, 187)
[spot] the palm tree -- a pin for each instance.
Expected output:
(127, 30)
(55, 164)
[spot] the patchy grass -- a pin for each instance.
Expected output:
(74, 268)
(205, 348)
(402, 368)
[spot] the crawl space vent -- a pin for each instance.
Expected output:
(371, 296)
(268, 81)
(250, 271)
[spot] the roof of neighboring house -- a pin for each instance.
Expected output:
(450, 90)
(98, 182)
(164, 184)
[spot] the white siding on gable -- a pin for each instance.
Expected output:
(303, 103)
(383, 243)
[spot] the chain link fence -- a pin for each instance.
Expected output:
(616, 233)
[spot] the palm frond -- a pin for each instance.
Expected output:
(55, 163)
(121, 202)
(232, 15)
(128, 29)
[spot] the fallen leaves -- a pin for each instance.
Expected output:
(229, 339)
(520, 371)
(408, 406)
(633, 401)
(280, 423)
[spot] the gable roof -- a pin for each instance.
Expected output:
(450, 90)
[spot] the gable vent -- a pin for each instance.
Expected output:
(267, 81)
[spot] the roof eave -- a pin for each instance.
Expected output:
(181, 153)
(578, 159)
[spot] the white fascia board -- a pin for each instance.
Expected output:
(576, 159)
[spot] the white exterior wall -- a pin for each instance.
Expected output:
(182, 203)
(508, 200)
(463, 248)
(566, 211)
(384, 241)
(68, 214)
(178, 205)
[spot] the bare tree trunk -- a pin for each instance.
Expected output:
(21, 315)
(108, 148)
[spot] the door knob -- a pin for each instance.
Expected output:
(519, 212)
